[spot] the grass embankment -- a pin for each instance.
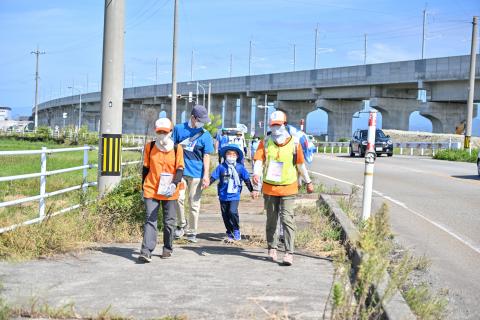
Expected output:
(24, 164)
(359, 300)
(457, 155)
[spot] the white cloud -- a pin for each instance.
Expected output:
(379, 52)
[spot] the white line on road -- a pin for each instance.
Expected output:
(403, 205)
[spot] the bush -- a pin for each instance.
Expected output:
(457, 155)
(215, 122)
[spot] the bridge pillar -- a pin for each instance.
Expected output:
(216, 105)
(340, 114)
(246, 111)
(230, 111)
(445, 116)
(296, 111)
(396, 112)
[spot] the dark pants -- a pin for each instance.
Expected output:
(150, 230)
(230, 215)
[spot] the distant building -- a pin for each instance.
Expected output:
(5, 113)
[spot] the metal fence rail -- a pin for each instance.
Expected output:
(43, 174)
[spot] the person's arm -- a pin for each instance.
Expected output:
(258, 159)
(208, 148)
(302, 169)
(146, 163)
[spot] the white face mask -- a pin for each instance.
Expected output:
(231, 159)
(163, 138)
(277, 129)
(199, 124)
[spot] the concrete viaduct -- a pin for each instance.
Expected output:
(392, 88)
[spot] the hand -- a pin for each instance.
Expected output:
(170, 190)
(256, 179)
(254, 194)
(205, 182)
(310, 187)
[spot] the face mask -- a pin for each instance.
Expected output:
(280, 139)
(277, 129)
(199, 124)
(231, 159)
(163, 138)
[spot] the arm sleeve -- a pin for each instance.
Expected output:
(302, 170)
(146, 163)
(249, 185)
(178, 176)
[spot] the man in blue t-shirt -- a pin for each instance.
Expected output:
(221, 141)
(197, 144)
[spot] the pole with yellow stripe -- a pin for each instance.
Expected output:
(110, 142)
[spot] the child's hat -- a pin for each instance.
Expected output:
(232, 147)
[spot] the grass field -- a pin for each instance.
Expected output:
(23, 164)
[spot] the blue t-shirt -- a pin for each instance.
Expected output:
(221, 174)
(194, 152)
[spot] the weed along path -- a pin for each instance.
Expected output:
(206, 280)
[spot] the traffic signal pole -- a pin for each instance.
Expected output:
(110, 142)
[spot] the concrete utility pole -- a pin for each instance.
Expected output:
(315, 55)
(191, 66)
(471, 83)
(294, 56)
(37, 53)
(265, 116)
(370, 156)
(424, 31)
(365, 50)
(209, 96)
(174, 64)
(231, 65)
(110, 142)
(250, 58)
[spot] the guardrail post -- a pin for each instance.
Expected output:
(324, 148)
(411, 151)
(422, 151)
(401, 149)
(43, 181)
(85, 170)
(331, 149)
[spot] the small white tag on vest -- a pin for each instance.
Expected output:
(274, 171)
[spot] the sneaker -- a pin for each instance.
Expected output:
(179, 232)
(145, 257)
(237, 235)
(272, 254)
(192, 238)
(229, 237)
(288, 259)
(166, 253)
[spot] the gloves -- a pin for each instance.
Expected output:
(170, 190)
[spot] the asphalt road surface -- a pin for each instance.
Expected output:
(434, 211)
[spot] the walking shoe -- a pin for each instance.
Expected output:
(229, 237)
(288, 259)
(145, 257)
(192, 238)
(272, 254)
(237, 235)
(179, 232)
(166, 253)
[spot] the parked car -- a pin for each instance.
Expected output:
(358, 144)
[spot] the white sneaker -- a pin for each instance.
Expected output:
(179, 232)
(192, 238)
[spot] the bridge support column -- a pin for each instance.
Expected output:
(396, 112)
(246, 111)
(216, 105)
(230, 111)
(445, 116)
(340, 114)
(296, 111)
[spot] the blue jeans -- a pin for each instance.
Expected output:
(230, 215)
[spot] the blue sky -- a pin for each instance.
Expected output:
(70, 32)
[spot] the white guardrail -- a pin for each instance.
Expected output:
(405, 148)
(43, 174)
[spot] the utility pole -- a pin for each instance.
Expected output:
(174, 64)
(294, 56)
(87, 84)
(250, 58)
(110, 142)
(365, 50)
(191, 67)
(231, 65)
(315, 55)
(209, 96)
(156, 82)
(424, 31)
(265, 116)
(471, 83)
(37, 53)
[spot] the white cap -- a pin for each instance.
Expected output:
(278, 118)
(163, 124)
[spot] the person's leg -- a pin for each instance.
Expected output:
(194, 196)
(235, 219)
(287, 218)
(169, 216)
(150, 227)
(180, 209)
(224, 207)
(271, 206)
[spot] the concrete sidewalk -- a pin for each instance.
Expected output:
(206, 280)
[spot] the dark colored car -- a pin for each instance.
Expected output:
(383, 143)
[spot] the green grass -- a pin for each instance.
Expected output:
(457, 155)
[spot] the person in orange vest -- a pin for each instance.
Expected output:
(161, 181)
(278, 162)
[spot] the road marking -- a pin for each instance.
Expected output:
(403, 205)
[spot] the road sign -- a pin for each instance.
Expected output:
(190, 96)
(64, 115)
(260, 124)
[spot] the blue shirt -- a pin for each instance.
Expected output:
(194, 152)
(221, 174)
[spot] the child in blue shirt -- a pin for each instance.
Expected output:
(230, 174)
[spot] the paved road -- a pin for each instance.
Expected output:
(435, 210)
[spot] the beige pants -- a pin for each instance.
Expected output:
(194, 188)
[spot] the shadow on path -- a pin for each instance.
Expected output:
(468, 177)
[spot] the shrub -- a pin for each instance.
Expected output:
(457, 155)
(215, 122)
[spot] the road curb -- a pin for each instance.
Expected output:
(394, 309)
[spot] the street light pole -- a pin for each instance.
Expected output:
(471, 83)
(209, 96)
(80, 107)
(265, 117)
(174, 64)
